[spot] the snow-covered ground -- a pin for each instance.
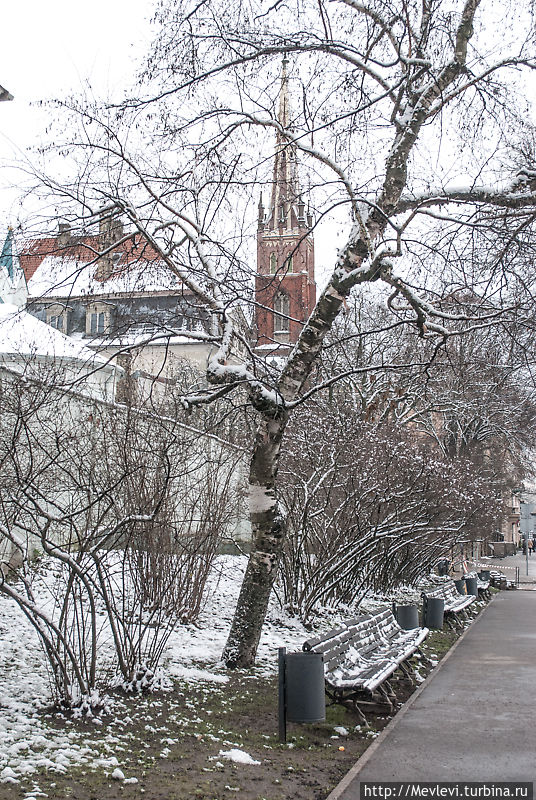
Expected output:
(30, 738)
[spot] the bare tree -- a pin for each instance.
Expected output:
(396, 96)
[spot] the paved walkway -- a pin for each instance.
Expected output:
(508, 564)
(474, 719)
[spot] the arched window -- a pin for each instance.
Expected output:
(273, 263)
(281, 313)
(290, 264)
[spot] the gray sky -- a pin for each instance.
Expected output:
(52, 49)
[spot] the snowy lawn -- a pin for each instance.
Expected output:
(220, 725)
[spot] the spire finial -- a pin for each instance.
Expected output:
(283, 116)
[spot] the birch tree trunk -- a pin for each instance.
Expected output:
(267, 537)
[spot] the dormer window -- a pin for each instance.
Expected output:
(57, 317)
(96, 322)
(56, 321)
(98, 319)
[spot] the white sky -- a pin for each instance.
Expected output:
(50, 49)
(54, 48)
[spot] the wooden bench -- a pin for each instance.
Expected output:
(455, 604)
(361, 656)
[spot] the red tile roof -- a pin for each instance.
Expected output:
(83, 249)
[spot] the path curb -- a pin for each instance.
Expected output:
(354, 771)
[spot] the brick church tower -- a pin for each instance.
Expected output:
(285, 288)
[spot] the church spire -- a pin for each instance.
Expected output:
(283, 212)
(284, 108)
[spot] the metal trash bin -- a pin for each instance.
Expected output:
(472, 586)
(407, 617)
(433, 612)
(304, 687)
(460, 586)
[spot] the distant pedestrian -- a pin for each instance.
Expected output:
(530, 545)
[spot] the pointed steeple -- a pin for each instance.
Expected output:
(283, 212)
(284, 106)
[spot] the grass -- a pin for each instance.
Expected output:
(171, 744)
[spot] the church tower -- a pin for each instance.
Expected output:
(285, 288)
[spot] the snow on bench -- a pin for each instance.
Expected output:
(362, 655)
(454, 602)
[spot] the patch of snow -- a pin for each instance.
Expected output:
(340, 730)
(118, 774)
(66, 277)
(195, 674)
(22, 334)
(238, 756)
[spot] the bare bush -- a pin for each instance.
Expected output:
(128, 509)
(370, 507)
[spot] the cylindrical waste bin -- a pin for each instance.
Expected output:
(434, 610)
(304, 687)
(407, 617)
(460, 586)
(472, 586)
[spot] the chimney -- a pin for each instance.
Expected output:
(110, 229)
(110, 232)
(64, 234)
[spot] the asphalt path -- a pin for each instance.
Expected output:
(474, 719)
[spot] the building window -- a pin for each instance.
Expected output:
(57, 318)
(273, 263)
(290, 264)
(281, 313)
(96, 323)
(98, 318)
